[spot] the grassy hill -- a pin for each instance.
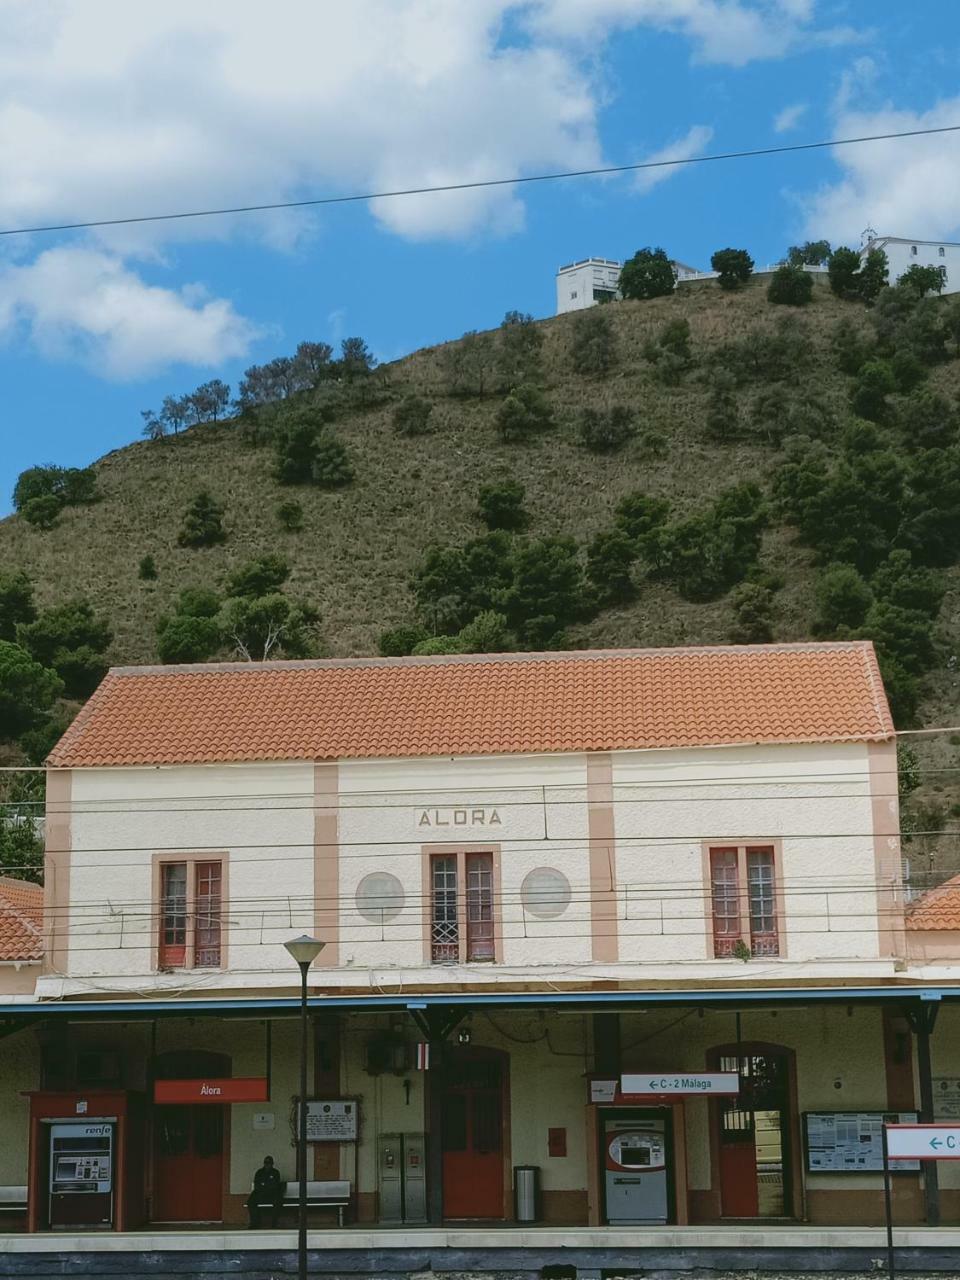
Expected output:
(359, 546)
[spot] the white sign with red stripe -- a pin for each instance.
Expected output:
(923, 1141)
(683, 1082)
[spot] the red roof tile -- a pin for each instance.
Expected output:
(938, 909)
(21, 919)
(480, 705)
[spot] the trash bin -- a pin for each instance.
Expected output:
(526, 1192)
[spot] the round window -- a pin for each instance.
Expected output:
(545, 893)
(379, 897)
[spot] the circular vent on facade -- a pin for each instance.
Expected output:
(545, 893)
(379, 897)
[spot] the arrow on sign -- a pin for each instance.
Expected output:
(935, 1142)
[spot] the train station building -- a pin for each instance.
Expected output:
(619, 960)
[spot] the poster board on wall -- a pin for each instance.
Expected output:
(332, 1119)
(851, 1141)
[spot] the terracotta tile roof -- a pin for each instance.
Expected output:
(938, 909)
(21, 919)
(479, 705)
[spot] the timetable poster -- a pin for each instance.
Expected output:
(852, 1141)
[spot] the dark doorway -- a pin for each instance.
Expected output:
(473, 1134)
(755, 1134)
(188, 1144)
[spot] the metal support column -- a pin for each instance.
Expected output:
(922, 1020)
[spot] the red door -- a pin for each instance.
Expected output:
(473, 1139)
(188, 1164)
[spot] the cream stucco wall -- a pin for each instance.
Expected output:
(535, 811)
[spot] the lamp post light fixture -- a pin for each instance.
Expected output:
(304, 951)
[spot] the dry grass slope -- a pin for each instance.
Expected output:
(358, 547)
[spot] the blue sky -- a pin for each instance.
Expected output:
(108, 109)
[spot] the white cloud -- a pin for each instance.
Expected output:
(691, 144)
(84, 304)
(734, 32)
(113, 109)
(789, 117)
(905, 187)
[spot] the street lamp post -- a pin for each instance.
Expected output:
(304, 950)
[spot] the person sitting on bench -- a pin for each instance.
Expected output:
(267, 1193)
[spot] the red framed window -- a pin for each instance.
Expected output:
(191, 909)
(462, 920)
(173, 915)
(743, 891)
(481, 943)
(445, 924)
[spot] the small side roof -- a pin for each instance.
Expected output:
(937, 909)
(21, 919)
(481, 704)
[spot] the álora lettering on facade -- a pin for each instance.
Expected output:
(459, 818)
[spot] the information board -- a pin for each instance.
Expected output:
(851, 1141)
(332, 1120)
(946, 1097)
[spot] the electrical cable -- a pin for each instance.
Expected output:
(362, 197)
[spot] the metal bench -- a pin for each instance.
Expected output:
(320, 1195)
(13, 1199)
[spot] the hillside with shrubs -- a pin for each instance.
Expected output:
(742, 460)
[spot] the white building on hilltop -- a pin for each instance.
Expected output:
(904, 253)
(591, 280)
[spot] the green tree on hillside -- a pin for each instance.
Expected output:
(791, 286)
(16, 603)
(873, 275)
(500, 505)
(524, 412)
(734, 267)
(593, 349)
(842, 270)
(812, 253)
(519, 350)
(922, 280)
(72, 640)
(605, 430)
(610, 557)
(648, 274)
(411, 417)
(468, 364)
(28, 690)
(356, 359)
(183, 638)
(202, 523)
(260, 626)
(260, 577)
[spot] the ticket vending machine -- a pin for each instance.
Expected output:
(81, 1174)
(402, 1177)
(636, 1169)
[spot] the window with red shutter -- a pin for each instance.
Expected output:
(462, 923)
(173, 915)
(743, 891)
(191, 911)
(480, 939)
(725, 887)
(207, 940)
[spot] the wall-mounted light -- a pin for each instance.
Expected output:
(463, 1035)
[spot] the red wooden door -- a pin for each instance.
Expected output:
(473, 1140)
(188, 1164)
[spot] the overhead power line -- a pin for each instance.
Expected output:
(360, 197)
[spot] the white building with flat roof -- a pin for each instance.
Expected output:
(584, 283)
(903, 253)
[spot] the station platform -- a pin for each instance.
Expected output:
(590, 1252)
